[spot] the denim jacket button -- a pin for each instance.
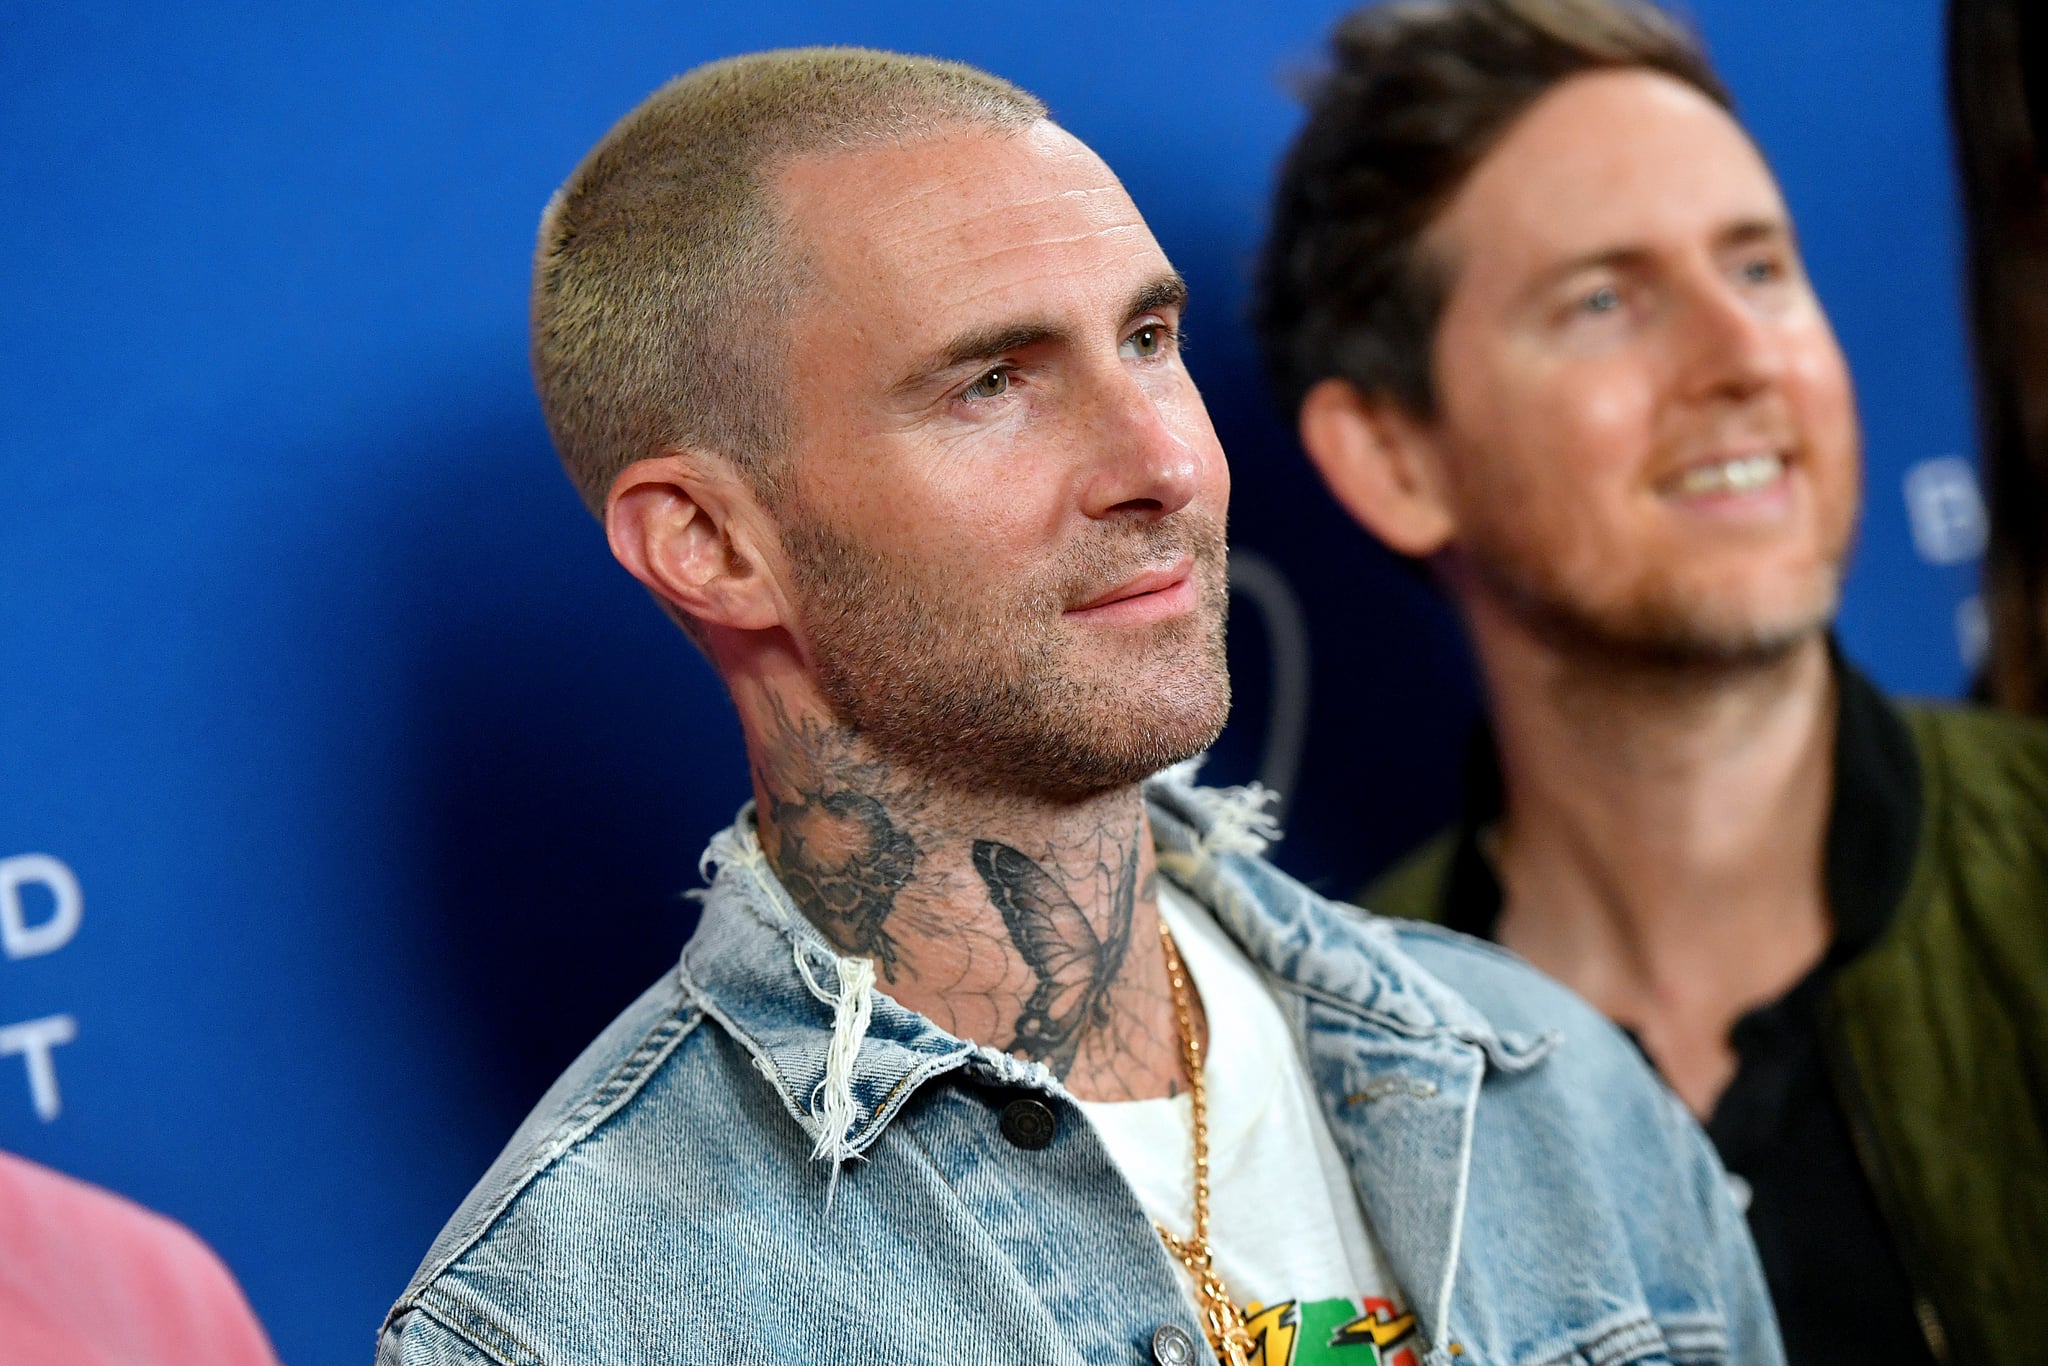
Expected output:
(1029, 1123)
(1171, 1346)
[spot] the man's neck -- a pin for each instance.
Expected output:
(1661, 847)
(1027, 924)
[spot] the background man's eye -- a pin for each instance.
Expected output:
(1605, 299)
(994, 384)
(1759, 271)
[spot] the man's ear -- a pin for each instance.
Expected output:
(692, 529)
(1381, 465)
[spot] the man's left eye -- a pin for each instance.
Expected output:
(994, 384)
(1148, 341)
(1605, 299)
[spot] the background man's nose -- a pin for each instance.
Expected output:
(1728, 343)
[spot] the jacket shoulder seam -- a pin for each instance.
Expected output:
(476, 1328)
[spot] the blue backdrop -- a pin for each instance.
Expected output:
(346, 786)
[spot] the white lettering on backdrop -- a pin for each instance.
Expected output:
(35, 1040)
(21, 936)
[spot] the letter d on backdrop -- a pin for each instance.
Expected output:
(19, 938)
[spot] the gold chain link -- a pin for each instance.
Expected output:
(1221, 1318)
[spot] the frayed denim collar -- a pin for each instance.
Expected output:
(844, 1056)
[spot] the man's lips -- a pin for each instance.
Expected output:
(1749, 487)
(1731, 474)
(1168, 583)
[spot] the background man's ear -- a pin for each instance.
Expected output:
(1380, 464)
(691, 529)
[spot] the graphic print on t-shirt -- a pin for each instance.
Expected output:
(1337, 1332)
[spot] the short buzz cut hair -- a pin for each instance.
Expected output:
(664, 275)
(1416, 95)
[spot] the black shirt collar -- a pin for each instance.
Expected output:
(1873, 821)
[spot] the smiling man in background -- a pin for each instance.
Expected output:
(873, 375)
(1537, 301)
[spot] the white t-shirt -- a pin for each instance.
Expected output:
(1290, 1241)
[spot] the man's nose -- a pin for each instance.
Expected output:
(1731, 343)
(1141, 464)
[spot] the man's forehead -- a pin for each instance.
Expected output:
(966, 211)
(892, 178)
(1610, 161)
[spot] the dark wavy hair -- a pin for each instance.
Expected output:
(1417, 92)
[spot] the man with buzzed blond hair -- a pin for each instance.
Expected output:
(995, 1042)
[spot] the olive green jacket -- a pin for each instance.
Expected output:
(1937, 1033)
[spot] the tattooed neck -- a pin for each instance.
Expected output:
(838, 827)
(1029, 927)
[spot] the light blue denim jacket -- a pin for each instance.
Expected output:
(1540, 1197)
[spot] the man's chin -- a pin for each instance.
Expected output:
(1078, 756)
(1672, 625)
(1686, 639)
(1079, 777)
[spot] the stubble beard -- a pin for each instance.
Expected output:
(995, 694)
(1657, 625)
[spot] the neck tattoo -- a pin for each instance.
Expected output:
(1021, 941)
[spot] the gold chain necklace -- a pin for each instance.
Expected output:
(1221, 1318)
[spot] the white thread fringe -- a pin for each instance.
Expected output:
(1240, 818)
(832, 1103)
(833, 1111)
(731, 848)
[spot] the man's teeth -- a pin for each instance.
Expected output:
(1732, 476)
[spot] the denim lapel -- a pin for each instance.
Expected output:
(1397, 1058)
(1402, 1112)
(742, 966)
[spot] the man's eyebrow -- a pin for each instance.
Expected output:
(1747, 230)
(1739, 233)
(1607, 258)
(1167, 293)
(984, 343)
